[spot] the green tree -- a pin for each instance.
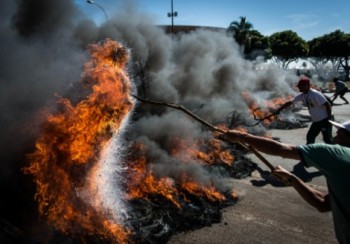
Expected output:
(259, 46)
(333, 47)
(287, 47)
(317, 58)
(241, 32)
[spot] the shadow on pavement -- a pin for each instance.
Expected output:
(267, 178)
(299, 170)
(339, 104)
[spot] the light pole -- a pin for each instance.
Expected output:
(98, 5)
(172, 14)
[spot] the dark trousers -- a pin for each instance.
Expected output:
(321, 126)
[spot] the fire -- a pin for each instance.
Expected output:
(69, 162)
(143, 184)
(263, 110)
(72, 140)
(209, 152)
(194, 188)
(212, 153)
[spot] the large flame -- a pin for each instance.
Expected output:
(71, 163)
(72, 141)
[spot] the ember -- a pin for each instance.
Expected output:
(90, 186)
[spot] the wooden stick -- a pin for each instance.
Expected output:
(261, 119)
(210, 126)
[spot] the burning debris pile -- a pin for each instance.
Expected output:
(87, 189)
(107, 168)
(264, 114)
(167, 205)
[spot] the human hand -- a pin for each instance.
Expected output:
(282, 174)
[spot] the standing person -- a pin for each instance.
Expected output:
(319, 108)
(340, 90)
(333, 161)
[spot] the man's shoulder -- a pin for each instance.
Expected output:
(316, 93)
(334, 148)
(342, 83)
(299, 94)
(298, 97)
(320, 154)
(312, 90)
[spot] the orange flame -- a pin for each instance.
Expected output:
(212, 153)
(265, 109)
(194, 188)
(71, 141)
(143, 183)
(65, 162)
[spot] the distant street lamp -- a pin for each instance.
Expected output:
(92, 2)
(172, 14)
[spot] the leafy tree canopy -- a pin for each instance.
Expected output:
(288, 45)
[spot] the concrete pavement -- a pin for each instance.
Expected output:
(268, 212)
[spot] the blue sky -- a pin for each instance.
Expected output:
(307, 18)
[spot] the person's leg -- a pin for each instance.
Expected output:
(326, 131)
(335, 97)
(344, 99)
(314, 130)
(341, 95)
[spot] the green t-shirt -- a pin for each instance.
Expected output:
(333, 161)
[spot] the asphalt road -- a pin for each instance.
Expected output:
(268, 212)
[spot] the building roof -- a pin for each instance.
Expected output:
(188, 28)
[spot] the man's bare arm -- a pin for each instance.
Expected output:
(265, 145)
(317, 199)
(285, 105)
(329, 109)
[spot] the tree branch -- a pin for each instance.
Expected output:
(207, 124)
(183, 109)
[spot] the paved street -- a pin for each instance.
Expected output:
(268, 212)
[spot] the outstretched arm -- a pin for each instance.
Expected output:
(265, 145)
(328, 109)
(315, 198)
(285, 105)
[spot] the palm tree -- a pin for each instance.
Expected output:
(241, 31)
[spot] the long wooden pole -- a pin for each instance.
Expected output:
(210, 126)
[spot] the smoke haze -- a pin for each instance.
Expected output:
(43, 49)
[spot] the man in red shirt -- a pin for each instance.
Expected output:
(319, 109)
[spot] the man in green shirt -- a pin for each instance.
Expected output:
(331, 160)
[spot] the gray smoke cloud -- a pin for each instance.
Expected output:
(43, 49)
(39, 57)
(206, 73)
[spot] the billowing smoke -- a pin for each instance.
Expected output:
(43, 48)
(39, 58)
